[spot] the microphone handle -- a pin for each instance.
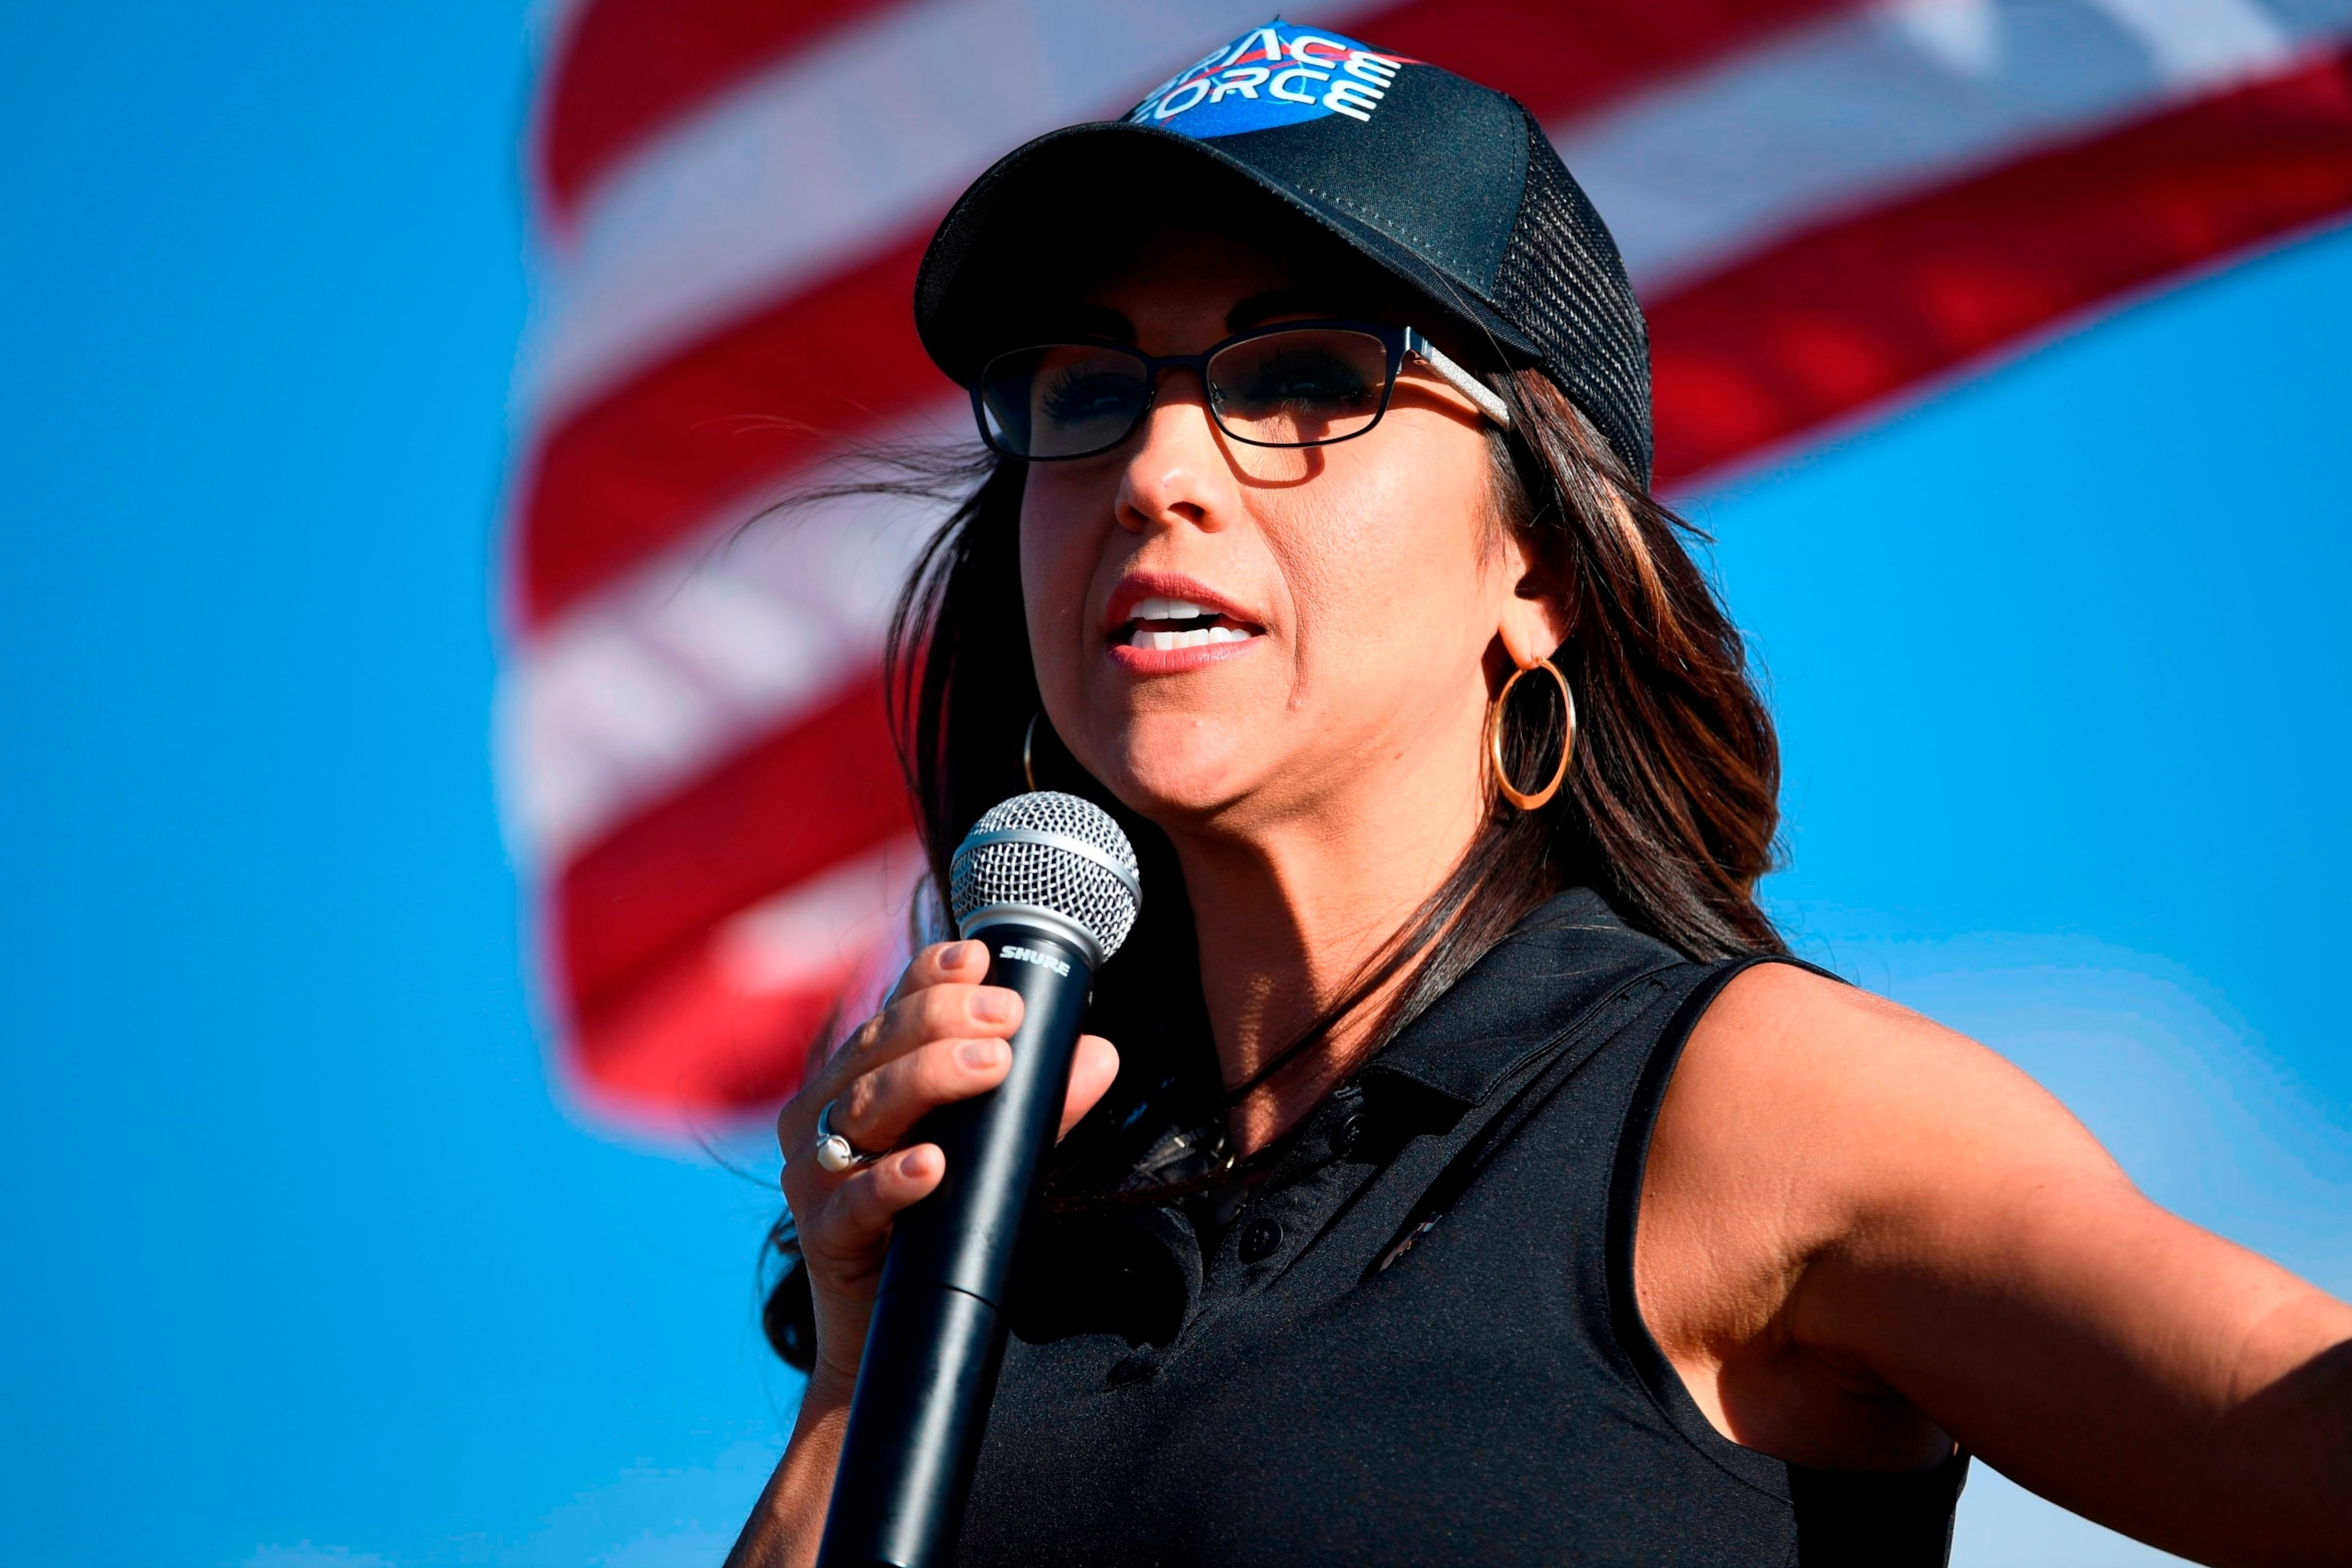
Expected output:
(936, 1335)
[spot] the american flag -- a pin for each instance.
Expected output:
(1827, 208)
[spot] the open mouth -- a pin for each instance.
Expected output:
(1161, 623)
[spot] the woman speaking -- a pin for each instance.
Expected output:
(1458, 1168)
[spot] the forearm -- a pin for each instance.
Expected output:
(2151, 1376)
(2286, 1454)
(789, 1519)
(2265, 1482)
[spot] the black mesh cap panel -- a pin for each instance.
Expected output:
(1562, 283)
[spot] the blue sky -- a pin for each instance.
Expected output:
(302, 1262)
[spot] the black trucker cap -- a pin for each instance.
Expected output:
(1450, 187)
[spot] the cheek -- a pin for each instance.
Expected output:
(1393, 552)
(1056, 570)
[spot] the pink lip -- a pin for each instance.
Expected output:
(1137, 587)
(1175, 660)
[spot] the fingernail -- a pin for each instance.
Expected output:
(966, 954)
(981, 1053)
(995, 1006)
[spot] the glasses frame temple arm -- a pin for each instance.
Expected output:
(1460, 379)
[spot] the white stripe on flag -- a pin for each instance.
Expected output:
(714, 641)
(829, 932)
(1873, 105)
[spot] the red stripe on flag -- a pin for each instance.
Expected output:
(669, 449)
(796, 803)
(689, 1038)
(1853, 312)
(629, 66)
(1568, 60)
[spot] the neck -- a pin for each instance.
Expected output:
(1294, 911)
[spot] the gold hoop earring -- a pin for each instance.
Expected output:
(1511, 792)
(1029, 739)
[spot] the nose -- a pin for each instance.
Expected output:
(1176, 472)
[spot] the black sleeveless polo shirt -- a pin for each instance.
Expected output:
(1416, 1343)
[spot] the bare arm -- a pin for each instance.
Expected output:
(941, 1039)
(1863, 1236)
(788, 1521)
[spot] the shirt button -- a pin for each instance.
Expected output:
(1259, 1239)
(1345, 1136)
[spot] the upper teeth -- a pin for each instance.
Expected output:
(1158, 609)
(1148, 612)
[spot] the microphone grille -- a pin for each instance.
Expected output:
(1052, 852)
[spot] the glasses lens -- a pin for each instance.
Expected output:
(1062, 400)
(1298, 388)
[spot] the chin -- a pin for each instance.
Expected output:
(1171, 768)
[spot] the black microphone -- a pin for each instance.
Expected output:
(1049, 882)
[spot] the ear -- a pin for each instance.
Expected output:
(1535, 619)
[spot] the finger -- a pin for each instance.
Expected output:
(944, 962)
(857, 1215)
(947, 1011)
(1091, 1073)
(875, 1112)
(944, 1011)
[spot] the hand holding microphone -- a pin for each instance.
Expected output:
(907, 1248)
(936, 1041)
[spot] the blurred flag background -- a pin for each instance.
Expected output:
(381, 1178)
(1826, 206)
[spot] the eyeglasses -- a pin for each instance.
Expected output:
(1297, 384)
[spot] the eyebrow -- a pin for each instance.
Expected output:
(1101, 321)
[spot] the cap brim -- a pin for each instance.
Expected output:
(983, 271)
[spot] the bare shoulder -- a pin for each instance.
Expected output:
(1862, 1095)
(1864, 1235)
(1782, 1021)
(1810, 1122)
(1807, 1115)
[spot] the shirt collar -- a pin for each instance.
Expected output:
(1568, 956)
